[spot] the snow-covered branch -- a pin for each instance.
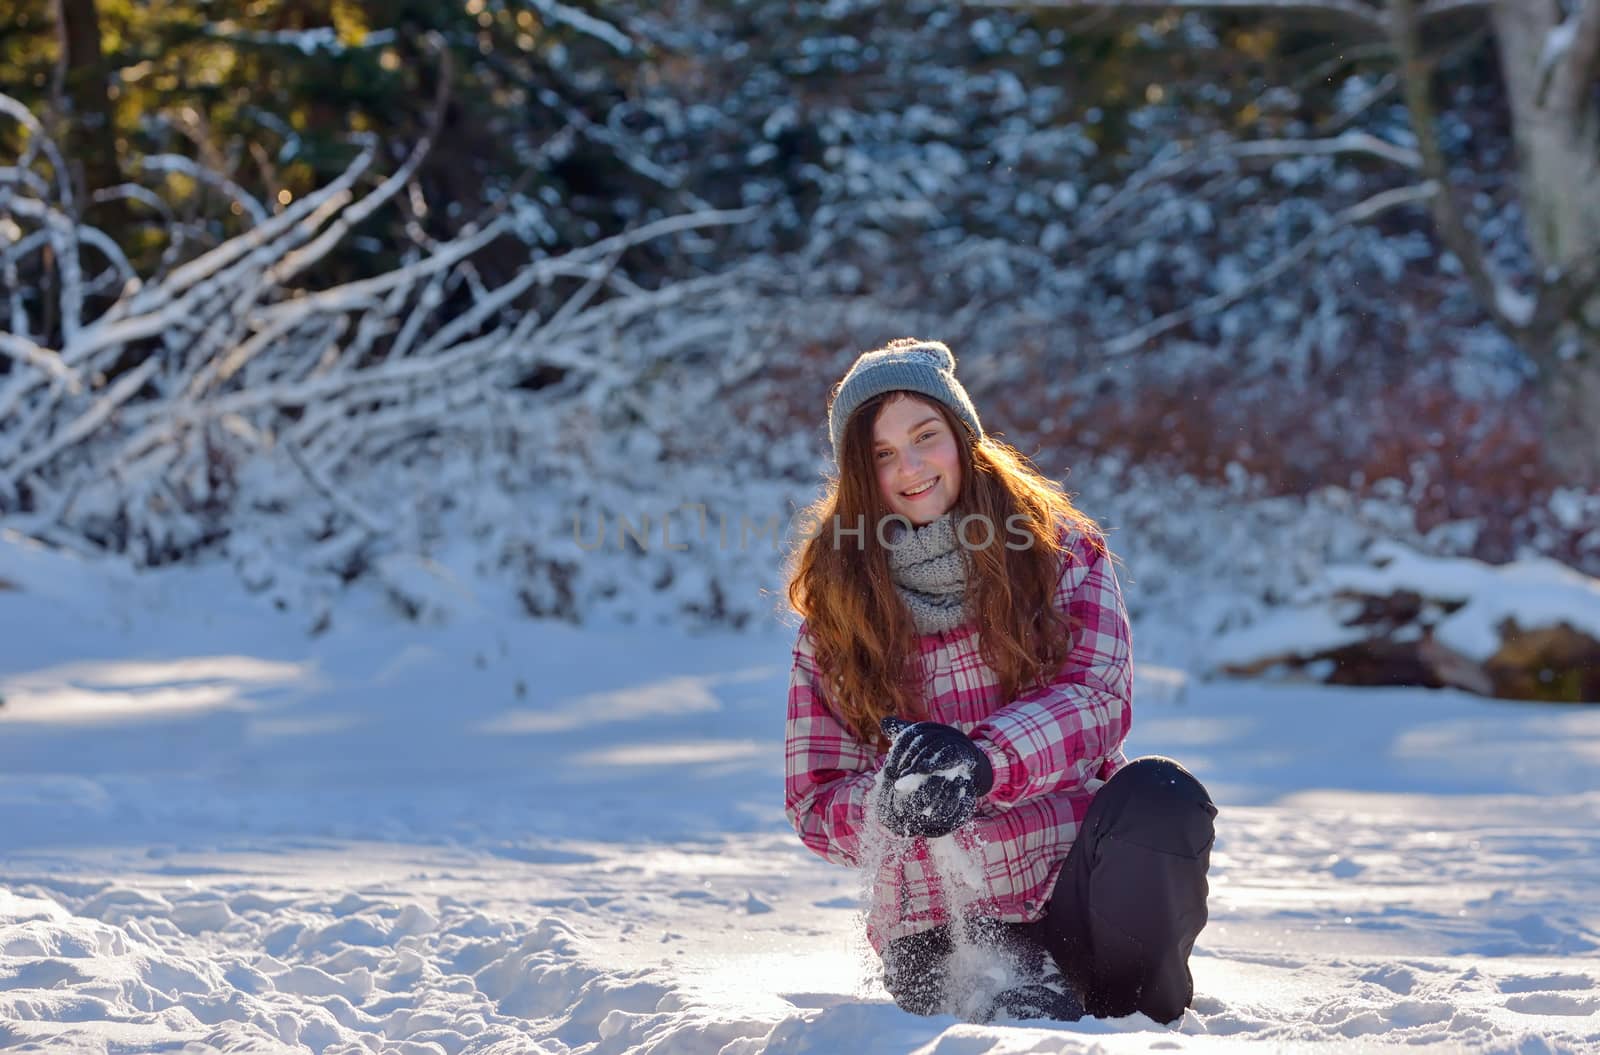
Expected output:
(583, 22)
(23, 350)
(81, 428)
(324, 39)
(233, 367)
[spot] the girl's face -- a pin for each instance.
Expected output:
(912, 448)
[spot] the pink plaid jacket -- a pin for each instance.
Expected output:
(1051, 748)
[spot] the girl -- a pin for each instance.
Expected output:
(963, 669)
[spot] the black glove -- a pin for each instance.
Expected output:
(954, 772)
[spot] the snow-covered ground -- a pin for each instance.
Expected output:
(497, 835)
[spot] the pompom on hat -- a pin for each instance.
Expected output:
(927, 368)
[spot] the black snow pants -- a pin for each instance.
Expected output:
(1124, 914)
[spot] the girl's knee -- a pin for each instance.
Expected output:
(1158, 777)
(1155, 802)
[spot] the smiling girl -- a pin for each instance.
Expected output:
(963, 671)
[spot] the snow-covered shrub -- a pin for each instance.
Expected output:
(317, 435)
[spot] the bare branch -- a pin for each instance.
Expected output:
(37, 139)
(319, 481)
(202, 174)
(1354, 9)
(296, 261)
(1363, 17)
(1459, 49)
(1173, 160)
(1169, 161)
(1437, 8)
(1378, 49)
(1371, 97)
(27, 177)
(1345, 143)
(1360, 212)
(1359, 16)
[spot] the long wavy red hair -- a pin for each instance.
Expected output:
(865, 640)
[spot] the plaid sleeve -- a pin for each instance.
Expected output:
(828, 772)
(1057, 737)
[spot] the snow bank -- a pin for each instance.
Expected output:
(493, 834)
(1457, 621)
(1530, 593)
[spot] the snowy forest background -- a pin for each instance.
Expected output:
(393, 296)
(333, 333)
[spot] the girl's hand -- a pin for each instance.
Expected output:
(932, 779)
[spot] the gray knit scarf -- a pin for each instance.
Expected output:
(929, 569)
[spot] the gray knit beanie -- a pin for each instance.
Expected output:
(927, 368)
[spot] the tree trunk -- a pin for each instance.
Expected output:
(1571, 420)
(1557, 137)
(91, 132)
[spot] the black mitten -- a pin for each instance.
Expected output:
(932, 778)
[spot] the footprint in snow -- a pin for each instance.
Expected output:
(1553, 1004)
(1541, 983)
